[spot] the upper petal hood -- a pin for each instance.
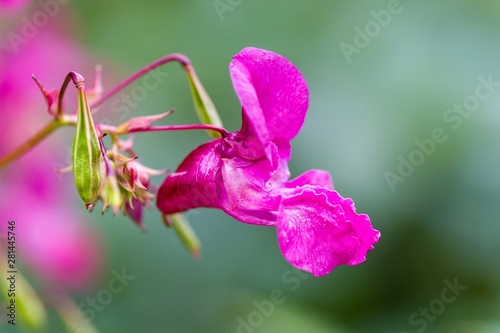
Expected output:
(274, 96)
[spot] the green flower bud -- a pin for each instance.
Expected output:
(86, 153)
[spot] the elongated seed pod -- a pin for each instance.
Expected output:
(86, 154)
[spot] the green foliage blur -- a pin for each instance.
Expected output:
(439, 223)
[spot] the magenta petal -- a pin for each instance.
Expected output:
(247, 193)
(273, 93)
(194, 183)
(319, 230)
(312, 177)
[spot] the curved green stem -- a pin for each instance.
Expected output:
(31, 142)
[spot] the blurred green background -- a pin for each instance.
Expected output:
(441, 223)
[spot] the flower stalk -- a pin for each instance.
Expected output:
(31, 142)
(204, 106)
(69, 313)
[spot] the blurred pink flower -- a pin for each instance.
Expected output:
(12, 5)
(52, 240)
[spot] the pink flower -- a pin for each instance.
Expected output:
(246, 173)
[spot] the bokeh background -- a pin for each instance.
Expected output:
(441, 224)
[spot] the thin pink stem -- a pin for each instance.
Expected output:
(220, 130)
(180, 58)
